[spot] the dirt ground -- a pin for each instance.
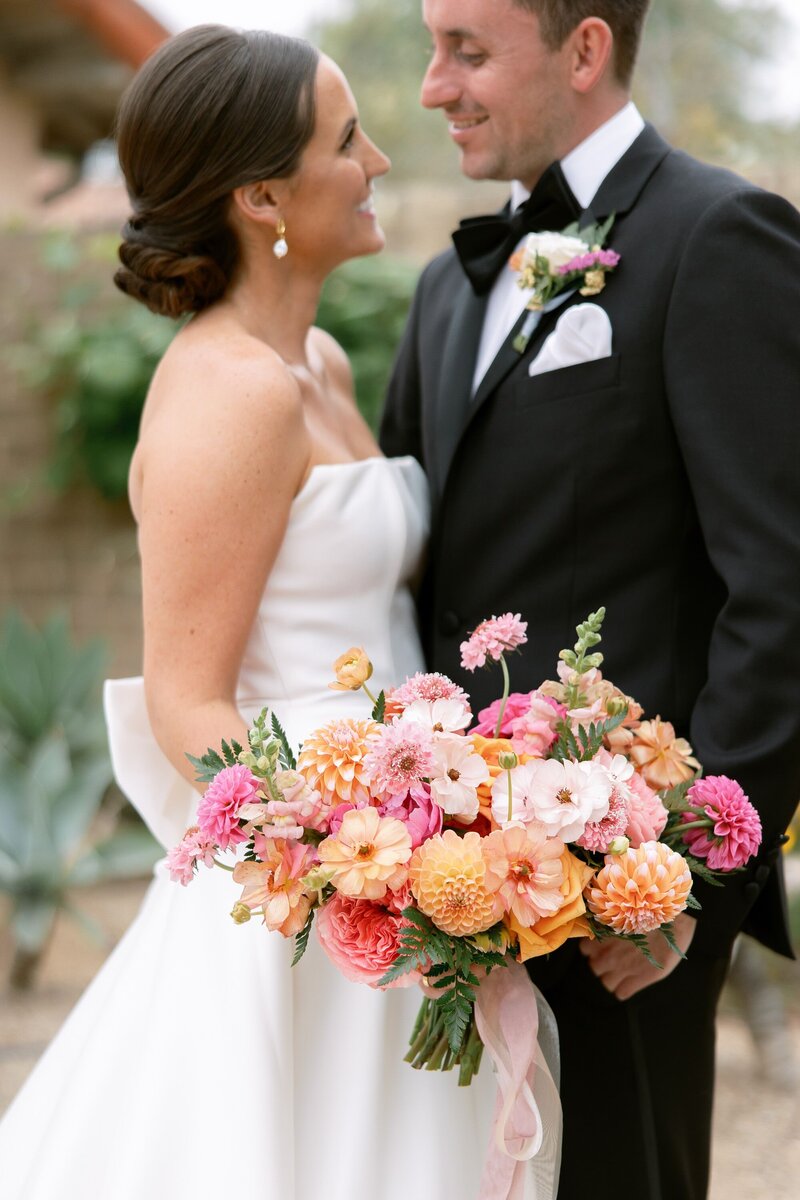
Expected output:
(757, 1122)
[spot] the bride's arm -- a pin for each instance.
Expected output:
(222, 458)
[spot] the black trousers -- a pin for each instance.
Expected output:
(637, 1079)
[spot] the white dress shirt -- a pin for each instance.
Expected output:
(584, 169)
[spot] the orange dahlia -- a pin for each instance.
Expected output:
(332, 761)
(448, 879)
(663, 760)
(640, 890)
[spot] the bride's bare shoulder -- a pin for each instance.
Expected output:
(219, 399)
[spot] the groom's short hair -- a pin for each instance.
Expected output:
(625, 18)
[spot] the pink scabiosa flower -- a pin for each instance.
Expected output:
(430, 686)
(534, 731)
(525, 869)
(565, 797)
(492, 639)
(218, 811)
(647, 816)
(640, 890)
(362, 939)
(275, 885)
(400, 757)
(458, 773)
(417, 811)
(368, 855)
(182, 860)
(734, 832)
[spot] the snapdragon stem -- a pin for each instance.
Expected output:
(504, 701)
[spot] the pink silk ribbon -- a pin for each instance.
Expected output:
(524, 1152)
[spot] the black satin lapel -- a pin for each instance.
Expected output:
(624, 183)
(446, 415)
(504, 361)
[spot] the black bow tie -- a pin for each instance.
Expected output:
(485, 244)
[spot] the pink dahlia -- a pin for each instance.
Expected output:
(399, 758)
(492, 639)
(734, 832)
(217, 814)
(362, 939)
(182, 860)
(646, 814)
(517, 704)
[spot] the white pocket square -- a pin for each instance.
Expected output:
(582, 334)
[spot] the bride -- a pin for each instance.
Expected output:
(273, 536)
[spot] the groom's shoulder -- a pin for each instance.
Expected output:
(443, 271)
(693, 187)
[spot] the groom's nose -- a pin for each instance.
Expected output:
(440, 86)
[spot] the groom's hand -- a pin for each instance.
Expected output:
(624, 970)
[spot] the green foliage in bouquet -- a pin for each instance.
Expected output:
(58, 829)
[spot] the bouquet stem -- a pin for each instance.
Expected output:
(430, 1048)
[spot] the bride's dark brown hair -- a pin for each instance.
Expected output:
(213, 109)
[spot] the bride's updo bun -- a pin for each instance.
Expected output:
(213, 109)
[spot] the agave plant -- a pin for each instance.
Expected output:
(59, 828)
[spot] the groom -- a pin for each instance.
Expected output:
(646, 462)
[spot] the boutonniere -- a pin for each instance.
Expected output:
(549, 263)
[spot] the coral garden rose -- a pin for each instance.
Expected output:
(218, 811)
(640, 890)
(448, 879)
(362, 939)
(367, 855)
(332, 762)
(569, 921)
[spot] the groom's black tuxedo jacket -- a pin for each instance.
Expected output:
(662, 482)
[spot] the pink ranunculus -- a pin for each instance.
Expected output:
(735, 834)
(421, 817)
(361, 939)
(217, 813)
(517, 704)
(534, 731)
(646, 814)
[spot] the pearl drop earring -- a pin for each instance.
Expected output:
(281, 247)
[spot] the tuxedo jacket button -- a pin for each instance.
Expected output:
(751, 891)
(449, 622)
(761, 874)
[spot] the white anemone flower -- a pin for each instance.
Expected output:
(565, 797)
(440, 716)
(459, 773)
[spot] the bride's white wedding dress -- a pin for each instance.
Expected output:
(197, 1064)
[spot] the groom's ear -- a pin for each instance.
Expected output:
(591, 53)
(257, 202)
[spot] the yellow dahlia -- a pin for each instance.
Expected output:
(640, 890)
(448, 879)
(662, 759)
(368, 854)
(332, 761)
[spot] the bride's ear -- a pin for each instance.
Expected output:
(257, 202)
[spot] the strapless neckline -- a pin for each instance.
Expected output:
(318, 470)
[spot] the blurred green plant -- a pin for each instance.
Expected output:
(364, 306)
(95, 360)
(59, 828)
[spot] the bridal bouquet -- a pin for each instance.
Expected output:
(434, 848)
